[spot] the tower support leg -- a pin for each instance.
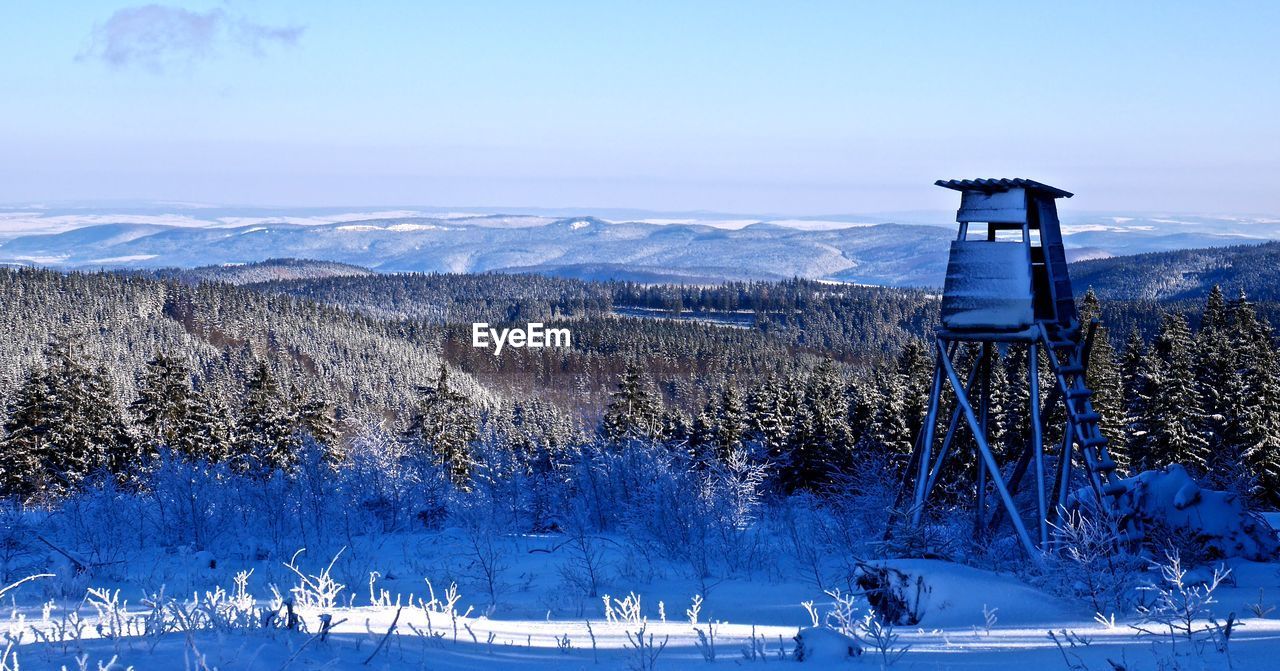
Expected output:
(950, 436)
(987, 457)
(1037, 439)
(926, 447)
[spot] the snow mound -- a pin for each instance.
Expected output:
(939, 593)
(1217, 520)
(824, 644)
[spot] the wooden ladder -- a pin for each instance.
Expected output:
(1066, 353)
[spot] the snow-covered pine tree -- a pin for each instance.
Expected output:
(1215, 310)
(105, 424)
(891, 433)
(265, 439)
(1136, 367)
(1177, 416)
(677, 428)
(444, 424)
(70, 453)
(205, 433)
(1016, 418)
(998, 436)
(1259, 371)
(915, 371)
(1219, 381)
(819, 441)
(64, 425)
(768, 424)
(25, 443)
(702, 436)
(318, 418)
(1106, 380)
(730, 422)
(633, 410)
(164, 398)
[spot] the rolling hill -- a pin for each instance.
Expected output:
(1184, 274)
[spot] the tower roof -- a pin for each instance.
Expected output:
(1000, 185)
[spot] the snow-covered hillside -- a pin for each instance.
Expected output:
(691, 249)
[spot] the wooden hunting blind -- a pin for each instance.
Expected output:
(1007, 283)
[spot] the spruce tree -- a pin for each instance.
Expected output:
(1219, 382)
(1106, 379)
(769, 418)
(64, 425)
(1016, 418)
(1176, 411)
(205, 434)
(891, 436)
(106, 427)
(677, 428)
(317, 418)
(1137, 368)
(265, 439)
(702, 437)
(1259, 370)
(730, 422)
(444, 425)
(915, 371)
(819, 441)
(164, 398)
(633, 411)
(24, 447)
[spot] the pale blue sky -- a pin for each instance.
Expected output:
(787, 107)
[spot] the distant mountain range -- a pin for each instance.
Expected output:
(582, 246)
(689, 250)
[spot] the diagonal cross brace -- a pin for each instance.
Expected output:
(962, 399)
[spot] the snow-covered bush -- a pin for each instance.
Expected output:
(390, 486)
(20, 551)
(896, 597)
(484, 524)
(584, 566)
(190, 504)
(1171, 506)
(847, 630)
(1091, 562)
(315, 590)
(1180, 604)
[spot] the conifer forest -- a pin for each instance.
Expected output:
(333, 436)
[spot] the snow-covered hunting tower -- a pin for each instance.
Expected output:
(1007, 283)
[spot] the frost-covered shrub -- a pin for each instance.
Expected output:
(103, 521)
(661, 503)
(389, 486)
(803, 523)
(20, 551)
(1181, 606)
(189, 503)
(1091, 562)
(485, 524)
(584, 566)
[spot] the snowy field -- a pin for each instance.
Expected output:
(196, 611)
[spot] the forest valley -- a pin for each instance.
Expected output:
(153, 423)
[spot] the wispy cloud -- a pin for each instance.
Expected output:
(159, 37)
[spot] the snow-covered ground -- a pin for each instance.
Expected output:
(972, 618)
